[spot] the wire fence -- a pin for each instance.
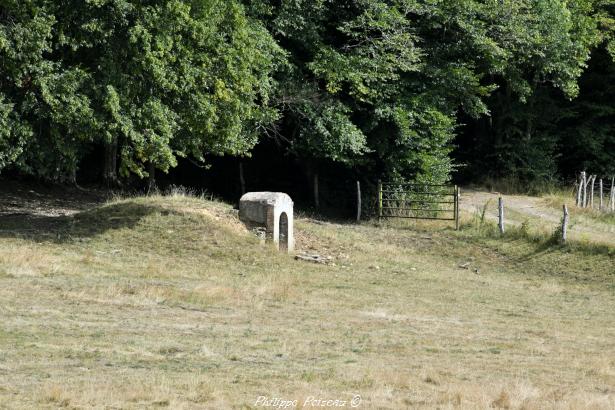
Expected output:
(593, 192)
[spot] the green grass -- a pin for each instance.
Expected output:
(169, 302)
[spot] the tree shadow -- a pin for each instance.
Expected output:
(540, 249)
(552, 245)
(85, 224)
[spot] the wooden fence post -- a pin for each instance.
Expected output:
(379, 200)
(565, 221)
(584, 189)
(457, 198)
(501, 215)
(580, 190)
(591, 201)
(358, 201)
(601, 194)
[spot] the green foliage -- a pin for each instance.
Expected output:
(353, 71)
(404, 71)
(165, 79)
(380, 86)
(13, 134)
(545, 49)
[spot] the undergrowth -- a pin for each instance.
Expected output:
(515, 186)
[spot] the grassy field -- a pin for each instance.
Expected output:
(169, 302)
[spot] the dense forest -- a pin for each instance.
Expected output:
(122, 91)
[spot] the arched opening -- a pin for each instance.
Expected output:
(284, 232)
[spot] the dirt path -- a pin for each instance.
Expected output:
(538, 213)
(42, 200)
(38, 208)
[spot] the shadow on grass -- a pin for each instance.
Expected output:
(86, 224)
(545, 244)
(542, 243)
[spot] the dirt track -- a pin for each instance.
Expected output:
(39, 199)
(538, 213)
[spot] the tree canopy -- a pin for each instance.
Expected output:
(407, 89)
(161, 79)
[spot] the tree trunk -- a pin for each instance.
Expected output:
(110, 165)
(358, 201)
(151, 185)
(72, 177)
(310, 171)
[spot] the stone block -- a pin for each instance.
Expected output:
(272, 210)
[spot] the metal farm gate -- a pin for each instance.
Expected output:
(419, 201)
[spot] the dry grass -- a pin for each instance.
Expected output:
(594, 214)
(167, 302)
